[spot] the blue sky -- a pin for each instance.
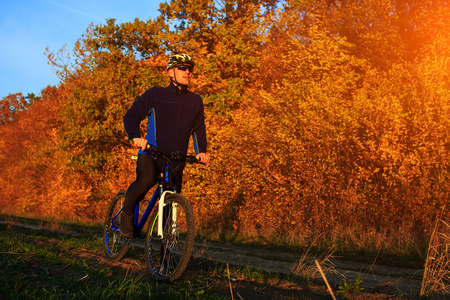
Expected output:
(28, 27)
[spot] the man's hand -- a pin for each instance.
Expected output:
(203, 157)
(140, 143)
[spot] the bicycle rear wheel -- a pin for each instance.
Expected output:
(114, 244)
(167, 257)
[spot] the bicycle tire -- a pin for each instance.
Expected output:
(167, 258)
(114, 244)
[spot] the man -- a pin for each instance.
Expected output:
(174, 114)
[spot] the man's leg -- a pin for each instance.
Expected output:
(147, 173)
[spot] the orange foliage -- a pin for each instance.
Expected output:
(34, 176)
(320, 116)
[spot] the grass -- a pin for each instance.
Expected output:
(41, 264)
(48, 265)
(394, 246)
(436, 279)
(304, 266)
(68, 262)
(390, 247)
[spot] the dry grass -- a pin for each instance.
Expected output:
(199, 251)
(54, 226)
(306, 267)
(436, 278)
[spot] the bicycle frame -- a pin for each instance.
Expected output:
(139, 224)
(160, 193)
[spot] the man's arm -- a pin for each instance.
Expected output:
(137, 112)
(199, 137)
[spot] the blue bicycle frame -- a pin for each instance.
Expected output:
(139, 224)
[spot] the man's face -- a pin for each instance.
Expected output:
(181, 74)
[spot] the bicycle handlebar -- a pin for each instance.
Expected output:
(172, 156)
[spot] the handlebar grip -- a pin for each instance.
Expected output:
(150, 147)
(194, 160)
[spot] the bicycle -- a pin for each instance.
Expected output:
(169, 239)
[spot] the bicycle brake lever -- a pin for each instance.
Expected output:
(194, 159)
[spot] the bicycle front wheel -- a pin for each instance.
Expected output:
(114, 244)
(168, 256)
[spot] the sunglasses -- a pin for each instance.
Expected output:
(185, 67)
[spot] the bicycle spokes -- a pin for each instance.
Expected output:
(169, 248)
(114, 244)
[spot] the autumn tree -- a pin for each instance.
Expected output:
(10, 105)
(108, 72)
(324, 117)
(34, 178)
(226, 55)
(330, 132)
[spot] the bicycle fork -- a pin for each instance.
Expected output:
(162, 204)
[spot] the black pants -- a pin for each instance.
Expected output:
(147, 171)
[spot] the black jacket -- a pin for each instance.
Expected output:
(173, 116)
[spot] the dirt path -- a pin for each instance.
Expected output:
(374, 278)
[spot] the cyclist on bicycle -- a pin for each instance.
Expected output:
(174, 114)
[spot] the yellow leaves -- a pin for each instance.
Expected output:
(304, 129)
